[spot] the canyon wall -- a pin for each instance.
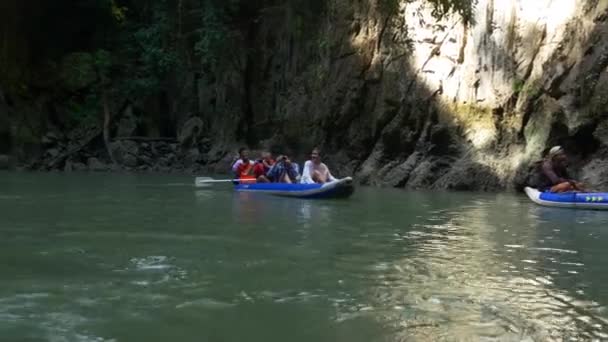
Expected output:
(393, 94)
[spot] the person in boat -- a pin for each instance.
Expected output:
(284, 171)
(552, 173)
(315, 171)
(262, 166)
(243, 167)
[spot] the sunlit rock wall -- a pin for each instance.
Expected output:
(403, 99)
(526, 75)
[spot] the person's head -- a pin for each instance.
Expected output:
(283, 159)
(315, 155)
(266, 156)
(244, 153)
(557, 154)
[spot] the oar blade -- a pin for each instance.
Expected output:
(200, 182)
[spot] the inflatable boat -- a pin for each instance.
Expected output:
(341, 188)
(578, 200)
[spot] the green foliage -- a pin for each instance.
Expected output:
(102, 62)
(441, 8)
(132, 47)
(83, 110)
(517, 86)
(531, 89)
(118, 12)
(464, 8)
(149, 55)
(211, 35)
(77, 71)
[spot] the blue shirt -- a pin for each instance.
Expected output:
(279, 169)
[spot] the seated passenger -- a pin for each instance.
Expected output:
(284, 171)
(262, 166)
(243, 168)
(315, 171)
(552, 174)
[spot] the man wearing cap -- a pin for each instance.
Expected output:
(553, 173)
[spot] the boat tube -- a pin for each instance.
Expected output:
(341, 188)
(577, 200)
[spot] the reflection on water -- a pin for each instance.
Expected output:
(465, 279)
(143, 259)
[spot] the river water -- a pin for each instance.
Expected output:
(151, 258)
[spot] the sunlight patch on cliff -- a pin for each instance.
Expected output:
(484, 78)
(476, 71)
(554, 13)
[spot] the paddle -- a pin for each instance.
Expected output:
(207, 181)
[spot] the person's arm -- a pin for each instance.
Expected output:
(567, 178)
(548, 171)
(293, 171)
(271, 173)
(306, 174)
(266, 164)
(329, 175)
(235, 166)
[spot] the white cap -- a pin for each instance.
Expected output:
(555, 150)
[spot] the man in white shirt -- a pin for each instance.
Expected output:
(315, 171)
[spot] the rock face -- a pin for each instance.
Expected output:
(191, 132)
(393, 95)
(411, 101)
(127, 125)
(125, 152)
(95, 165)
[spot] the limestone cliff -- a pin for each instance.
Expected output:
(403, 99)
(393, 95)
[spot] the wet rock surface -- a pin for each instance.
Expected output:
(400, 99)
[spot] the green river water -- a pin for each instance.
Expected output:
(86, 257)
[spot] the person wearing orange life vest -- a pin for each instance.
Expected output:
(243, 168)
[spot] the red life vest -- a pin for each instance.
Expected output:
(244, 169)
(247, 179)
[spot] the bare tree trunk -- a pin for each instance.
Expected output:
(107, 120)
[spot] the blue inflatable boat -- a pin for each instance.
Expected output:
(341, 188)
(578, 200)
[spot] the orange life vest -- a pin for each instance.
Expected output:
(247, 179)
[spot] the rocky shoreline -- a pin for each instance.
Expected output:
(193, 155)
(132, 154)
